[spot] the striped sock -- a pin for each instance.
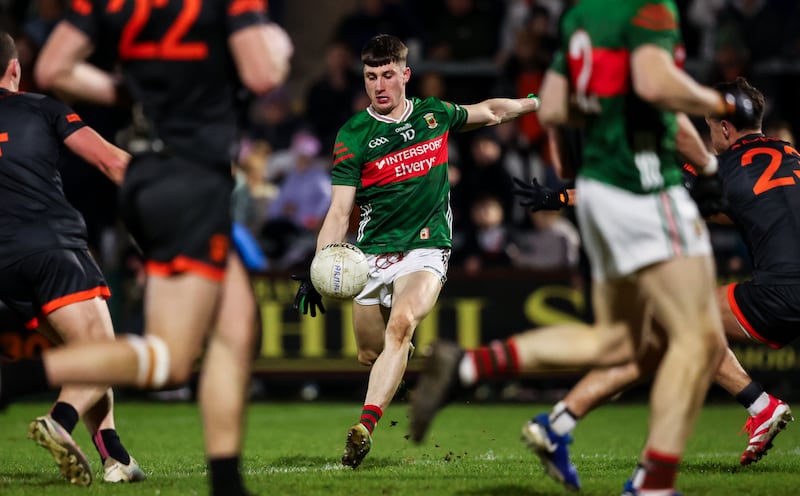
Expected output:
(661, 471)
(370, 415)
(496, 358)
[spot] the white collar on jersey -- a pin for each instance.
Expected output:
(385, 118)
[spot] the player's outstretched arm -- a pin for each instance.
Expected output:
(496, 111)
(337, 220)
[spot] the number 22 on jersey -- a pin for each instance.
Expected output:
(172, 46)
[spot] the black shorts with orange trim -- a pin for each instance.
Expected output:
(178, 211)
(769, 313)
(46, 281)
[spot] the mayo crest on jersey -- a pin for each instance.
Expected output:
(629, 143)
(399, 170)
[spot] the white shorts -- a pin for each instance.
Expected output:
(623, 231)
(387, 267)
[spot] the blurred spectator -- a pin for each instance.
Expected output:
(272, 118)
(485, 241)
(431, 83)
(551, 242)
(305, 192)
(39, 26)
(374, 17)
(484, 174)
(253, 193)
(757, 23)
(329, 99)
(464, 32)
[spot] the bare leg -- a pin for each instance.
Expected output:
(681, 291)
(226, 368)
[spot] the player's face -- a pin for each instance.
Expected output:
(386, 87)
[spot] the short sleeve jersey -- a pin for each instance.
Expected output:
(760, 179)
(35, 213)
(399, 170)
(177, 64)
(628, 143)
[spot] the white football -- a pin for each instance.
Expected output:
(339, 270)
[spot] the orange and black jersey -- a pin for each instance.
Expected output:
(176, 63)
(34, 213)
(761, 180)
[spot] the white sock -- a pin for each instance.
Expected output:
(758, 405)
(655, 492)
(467, 371)
(638, 476)
(561, 420)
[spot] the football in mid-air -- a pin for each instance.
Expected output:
(339, 270)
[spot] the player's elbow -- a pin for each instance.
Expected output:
(45, 75)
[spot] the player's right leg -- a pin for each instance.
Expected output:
(369, 324)
(680, 292)
(223, 388)
(763, 312)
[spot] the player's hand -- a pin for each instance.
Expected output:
(738, 107)
(539, 197)
(307, 298)
(707, 193)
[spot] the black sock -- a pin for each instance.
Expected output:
(22, 377)
(66, 415)
(108, 444)
(225, 476)
(749, 394)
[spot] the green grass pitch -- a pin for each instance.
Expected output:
(473, 449)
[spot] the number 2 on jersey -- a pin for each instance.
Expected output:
(766, 182)
(171, 46)
(3, 139)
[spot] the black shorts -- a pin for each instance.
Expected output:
(768, 313)
(179, 214)
(46, 281)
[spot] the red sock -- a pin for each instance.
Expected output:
(497, 358)
(661, 470)
(370, 415)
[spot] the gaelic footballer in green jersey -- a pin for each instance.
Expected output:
(400, 175)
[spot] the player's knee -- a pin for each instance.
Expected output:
(153, 356)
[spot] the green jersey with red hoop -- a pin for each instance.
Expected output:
(628, 142)
(399, 170)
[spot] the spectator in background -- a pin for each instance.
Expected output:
(295, 215)
(48, 13)
(374, 17)
(252, 193)
(305, 192)
(273, 118)
(484, 173)
(464, 32)
(486, 240)
(550, 242)
(330, 97)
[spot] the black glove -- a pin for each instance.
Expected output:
(739, 109)
(707, 193)
(539, 197)
(307, 298)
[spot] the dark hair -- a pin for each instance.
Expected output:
(8, 51)
(384, 49)
(741, 85)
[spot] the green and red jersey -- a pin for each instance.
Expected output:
(399, 170)
(629, 143)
